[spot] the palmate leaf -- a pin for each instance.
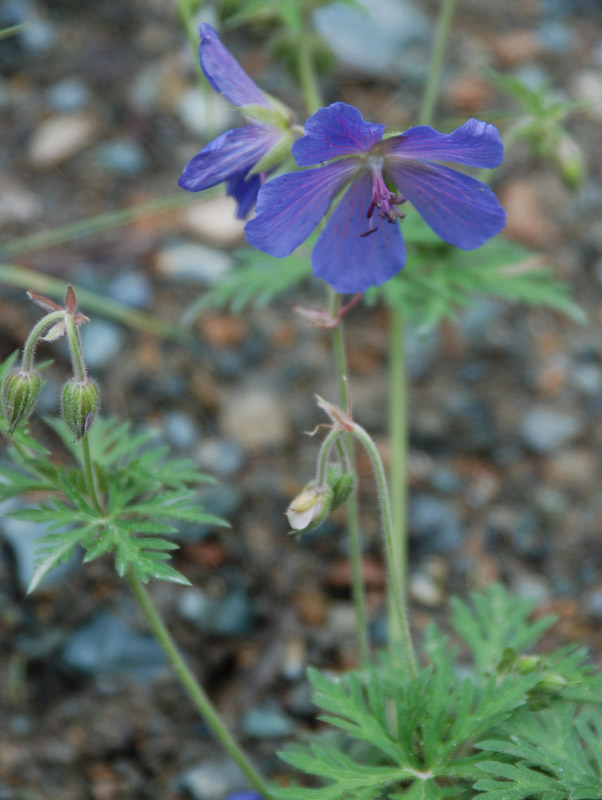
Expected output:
(144, 492)
(258, 278)
(416, 727)
(554, 754)
(494, 623)
(438, 280)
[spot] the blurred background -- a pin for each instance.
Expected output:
(101, 109)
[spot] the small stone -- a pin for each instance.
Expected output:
(341, 622)
(434, 526)
(556, 37)
(266, 722)
(202, 114)
(180, 430)
(587, 87)
(470, 93)
(211, 781)
(214, 221)
(69, 94)
(102, 340)
(188, 261)
(423, 588)
(370, 40)
(545, 430)
(527, 222)
(221, 457)
(592, 603)
(587, 379)
(132, 289)
(121, 157)
(255, 418)
(17, 203)
(516, 47)
(530, 587)
(59, 138)
(576, 467)
(295, 659)
(231, 615)
(108, 645)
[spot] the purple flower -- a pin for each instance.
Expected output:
(241, 156)
(362, 244)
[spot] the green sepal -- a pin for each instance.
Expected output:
(342, 484)
(275, 156)
(20, 392)
(266, 115)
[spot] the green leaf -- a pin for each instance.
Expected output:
(258, 278)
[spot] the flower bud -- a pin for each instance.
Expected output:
(20, 392)
(342, 484)
(79, 405)
(309, 508)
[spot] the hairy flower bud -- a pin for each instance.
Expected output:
(79, 405)
(309, 508)
(342, 484)
(20, 392)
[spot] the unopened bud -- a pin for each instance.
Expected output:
(342, 484)
(552, 682)
(525, 665)
(309, 508)
(20, 392)
(79, 405)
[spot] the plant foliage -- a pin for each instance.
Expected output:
(144, 492)
(437, 282)
(459, 728)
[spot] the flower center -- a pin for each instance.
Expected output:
(383, 198)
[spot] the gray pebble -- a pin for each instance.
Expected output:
(434, 526)
(108, 645)
(544, 430)
(132, 289)
(102, 341)
(266, 722)
(221, 457)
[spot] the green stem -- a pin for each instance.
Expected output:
(307, 77)
(32, 340)
(75, 348)
(355, 546)
(398, 402)
(327, 445)
(194, 690)
(90, 473)
(398, 439)
(396, 581)
(431, 89)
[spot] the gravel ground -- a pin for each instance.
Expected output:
(100, 112)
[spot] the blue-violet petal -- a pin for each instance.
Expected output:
(350, 262)
(290, 206)
(338, 130)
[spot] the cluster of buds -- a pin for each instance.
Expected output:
(21, 386)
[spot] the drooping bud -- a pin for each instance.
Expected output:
(79, 405)
(342, 484)
(309, 508)
(20, 392)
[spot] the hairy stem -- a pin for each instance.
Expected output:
(398, 439)
(38, 329)
(355, 546)
(396, 578)
(90, 475)
(75, 348)
(192, 687)
(325, 449)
